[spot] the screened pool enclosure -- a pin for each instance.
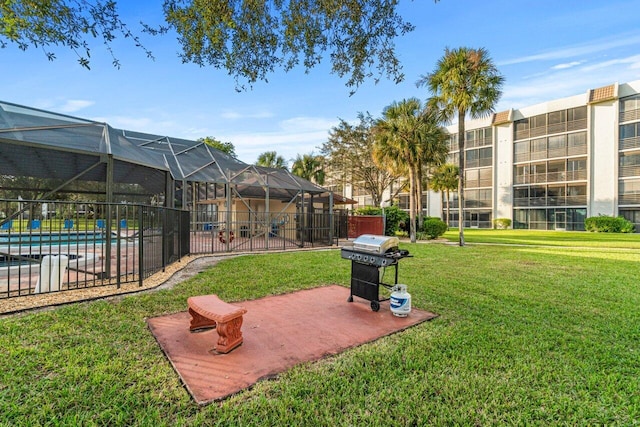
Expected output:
(57, 169)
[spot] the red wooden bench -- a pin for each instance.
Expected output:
(209, 311)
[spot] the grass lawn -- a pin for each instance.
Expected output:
(548, 238)
(527, 335)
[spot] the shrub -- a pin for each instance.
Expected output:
(368, 210)
(608, 224)
(433, 228)
(502, 223)
(395, 217)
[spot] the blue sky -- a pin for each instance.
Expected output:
(545, 50)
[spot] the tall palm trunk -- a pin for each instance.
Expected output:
(448, 204)
(419, 206)
(461, 115)
(412, 205)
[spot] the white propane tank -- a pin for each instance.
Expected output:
(400, 301)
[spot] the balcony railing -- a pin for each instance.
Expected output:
(540, 178)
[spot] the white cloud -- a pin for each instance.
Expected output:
(297, 135)
(73, 105)
(632, 61)
(304, 124)
(566, 65)
(145, 125)
(602, 45)
(562, 82)
(235, 115)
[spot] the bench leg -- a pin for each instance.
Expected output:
(200, 322)
(230, 335)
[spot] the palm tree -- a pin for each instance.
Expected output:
(445, 180)
(309, 167)
(465, 81)
(408, 138)
(271, 159)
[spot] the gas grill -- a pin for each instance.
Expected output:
(370, 254)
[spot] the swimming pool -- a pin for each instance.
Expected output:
(54, 238)
(27, 259)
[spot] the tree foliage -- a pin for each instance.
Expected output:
(225, 147)
(44, 24)
(465, 81)
(248, 39)
(408, 138)
(445, 180)
(309, 167)
(349, 156)
(271, 159)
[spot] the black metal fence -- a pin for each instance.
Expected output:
(261, 231)
(57, 246)
(53, 246)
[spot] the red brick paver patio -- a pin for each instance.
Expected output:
(279, 332)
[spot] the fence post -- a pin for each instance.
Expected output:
(164, 239)
(140, 245)
(118, 247)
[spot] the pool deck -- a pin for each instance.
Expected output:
(22, 281)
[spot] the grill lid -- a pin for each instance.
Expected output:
(375, 244)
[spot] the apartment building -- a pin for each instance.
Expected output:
(551, 165)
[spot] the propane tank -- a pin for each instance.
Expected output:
(400, 301)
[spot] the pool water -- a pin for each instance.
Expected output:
(6, 261)
(37, 239)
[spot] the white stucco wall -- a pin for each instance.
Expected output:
(503, 171)
(603, 172)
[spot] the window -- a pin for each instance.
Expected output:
(472, 160)
(538, 125)
(471, 178)
(577, 118)
(453, 142)
(556, 171)
(484, 198)
(576, 194)
(538, 172)
(557, 121)
(538, 195)
(629, 164)
(630, 108)
(486, 136)
(629, 136)
(539, 148)
(538, 219)
(486, 177)
(521, 151)
(577, 143)
(470, 138)
(470, 198)
(521, 128)
(521, 196)
(485, 156)
(576, 169)
(520, 218)
(521, 174)
(453, 158)
(629, 192)
(556, 195)
(557, 146)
